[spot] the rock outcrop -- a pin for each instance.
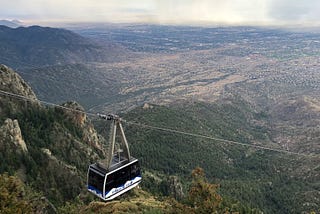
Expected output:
(175, 188)
(11, 82)
(14, 92)
(80, 119)
(10, 134)
(38, 142)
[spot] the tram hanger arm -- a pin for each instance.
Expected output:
(116, 123)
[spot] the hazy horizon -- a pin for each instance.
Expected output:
(186, 12)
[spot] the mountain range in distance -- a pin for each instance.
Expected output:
(58, 59)
(143, 63)
(37, 46)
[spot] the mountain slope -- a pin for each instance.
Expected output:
(42, 46)
(13, 83)
(48, 150)
(60, 83)
(53, 61)
(38, 142)
(274, 182)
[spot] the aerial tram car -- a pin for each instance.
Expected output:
(120, 172)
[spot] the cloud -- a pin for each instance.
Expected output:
(227, 11)
(294, 11)
(240, 11)
(166, 11)
(70, 10)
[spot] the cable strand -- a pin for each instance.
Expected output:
(21, 97)
(216, 139)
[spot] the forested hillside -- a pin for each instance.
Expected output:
(47, 148)
(272, 181)
(45, 153)
(96, 87)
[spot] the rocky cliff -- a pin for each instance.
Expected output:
(39, 142)
(10, 135)
(11, 82)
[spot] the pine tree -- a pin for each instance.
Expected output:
(12, 195)
(203, 196)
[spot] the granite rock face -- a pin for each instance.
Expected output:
(11, 82)
(10, 134)
(15, 93)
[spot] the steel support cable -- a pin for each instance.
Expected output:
(21, 97)
(217, 139)
(157, 128)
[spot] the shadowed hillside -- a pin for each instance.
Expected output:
(41, 46)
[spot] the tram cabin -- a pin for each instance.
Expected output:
(119, 178)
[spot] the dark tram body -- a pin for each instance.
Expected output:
(120, 177)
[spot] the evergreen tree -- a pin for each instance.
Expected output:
(12, 195)
(203, 196)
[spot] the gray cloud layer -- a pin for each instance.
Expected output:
(166, 11)
(295, 10)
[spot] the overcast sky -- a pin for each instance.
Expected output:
(234, 12)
